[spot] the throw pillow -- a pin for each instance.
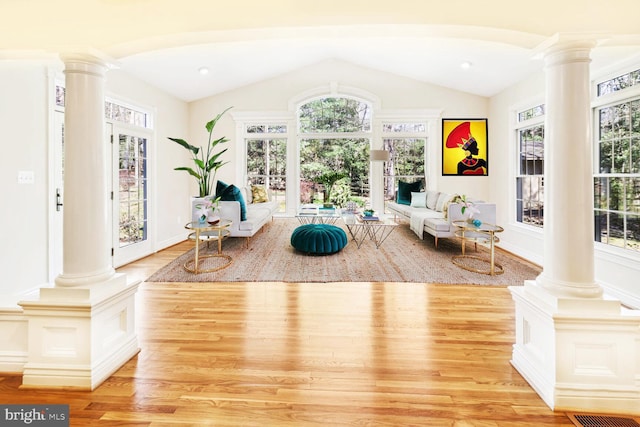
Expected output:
(220, 187)
(419, 200)
(432, 199)
(233, 194)
(248, 197)
(259, 194)
(445, 209)
(443, 198)
(404, 191)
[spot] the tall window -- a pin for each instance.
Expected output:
(406, 143)
(617, 180)
(335, 136)
(132, 184)
(132, 189)
(530, 175)
(267, 159)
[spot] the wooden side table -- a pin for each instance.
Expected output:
(206, 231)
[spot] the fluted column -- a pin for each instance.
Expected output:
(568, 204)
(87, 232)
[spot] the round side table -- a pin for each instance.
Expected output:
(469, 231)
(208, 232)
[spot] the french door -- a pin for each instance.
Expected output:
(130, 194)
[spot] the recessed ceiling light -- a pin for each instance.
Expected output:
(203, 70)
(465, 65)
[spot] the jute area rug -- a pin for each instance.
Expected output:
(403, 257)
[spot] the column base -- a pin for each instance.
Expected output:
(78, 337)
(577, 354)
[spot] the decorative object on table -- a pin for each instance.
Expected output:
(324, 209)
(465, 147)
(351, 207)
(468, 209)
(369, 215)
(206, 162)
(204, 209)
(309, 209)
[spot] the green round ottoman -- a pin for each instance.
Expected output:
(319, 239)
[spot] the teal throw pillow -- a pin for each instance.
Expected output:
(404, 191)
(220, 187)
(233, 194)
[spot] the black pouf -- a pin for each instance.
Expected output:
(320, 239)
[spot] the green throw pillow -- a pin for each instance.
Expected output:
(404, 191)
(233, 194)
(220, 187)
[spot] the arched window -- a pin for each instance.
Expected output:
(334, 141)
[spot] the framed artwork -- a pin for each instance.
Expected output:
(465, 147)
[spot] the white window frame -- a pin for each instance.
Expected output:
(518, 127)
(245, 119)
(631, 93)
(126, 254)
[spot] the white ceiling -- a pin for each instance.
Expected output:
(165, 42)
(435, 60)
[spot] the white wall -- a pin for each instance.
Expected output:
(394, 92)
(24, 215)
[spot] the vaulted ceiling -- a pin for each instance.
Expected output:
(166, 43)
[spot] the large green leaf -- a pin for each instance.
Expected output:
(191, 171)
(186, 145)
(212, 123)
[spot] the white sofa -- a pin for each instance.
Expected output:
(438, 213)
(258, 214)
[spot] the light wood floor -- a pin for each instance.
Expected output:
(346, 354)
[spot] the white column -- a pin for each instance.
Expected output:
(568, 203)
(577, 348)
(87, 236)
(83, 329)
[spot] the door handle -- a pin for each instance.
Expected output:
(58, 200)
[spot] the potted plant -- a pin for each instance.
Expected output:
(328, 180)
(206, 161)
(206, 164)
